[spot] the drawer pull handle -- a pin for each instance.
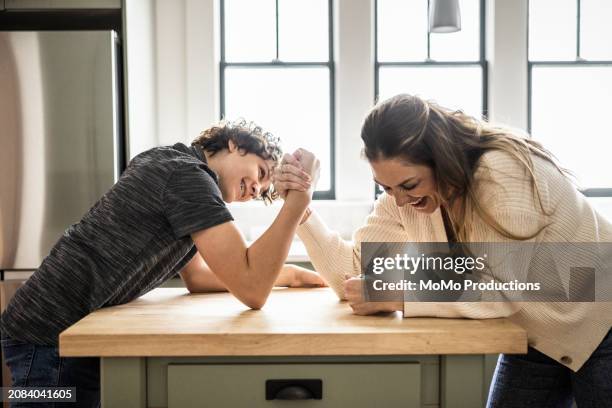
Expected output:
(294, 392)
(294, 389)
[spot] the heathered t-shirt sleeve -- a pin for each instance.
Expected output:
(192, 200)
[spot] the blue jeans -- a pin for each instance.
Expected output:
(536, 380)
(41, 366)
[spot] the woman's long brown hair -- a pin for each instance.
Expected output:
(450, 142)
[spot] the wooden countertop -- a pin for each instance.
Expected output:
(294, 322)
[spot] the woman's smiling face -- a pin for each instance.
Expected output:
(409, 184)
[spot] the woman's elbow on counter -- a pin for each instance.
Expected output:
(340, 293)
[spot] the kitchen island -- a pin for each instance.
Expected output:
(170, 348)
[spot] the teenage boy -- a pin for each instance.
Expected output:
(165, 215)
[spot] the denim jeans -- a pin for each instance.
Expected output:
(41, 366)
(536, 380)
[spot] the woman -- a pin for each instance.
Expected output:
(166, 215)
(449, 177)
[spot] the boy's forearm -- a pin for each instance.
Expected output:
(198, 277)
(250, 273)
(267, 255)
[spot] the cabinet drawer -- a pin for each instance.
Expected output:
(342, 385)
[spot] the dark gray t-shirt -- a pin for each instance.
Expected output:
(132, 240)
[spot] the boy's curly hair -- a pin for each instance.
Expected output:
(248, 138)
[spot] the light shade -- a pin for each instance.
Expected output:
(444, 16)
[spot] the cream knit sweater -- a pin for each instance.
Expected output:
(567, 332)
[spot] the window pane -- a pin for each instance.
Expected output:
(596, 29)
(292, 103)
(303, 30)
(451, 87)
(570, 116)
(402, 30)
(250, 30)
(463, 45)
(552, 30)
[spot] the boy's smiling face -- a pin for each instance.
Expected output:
(242, 177)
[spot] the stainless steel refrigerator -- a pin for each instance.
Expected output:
(60, 136)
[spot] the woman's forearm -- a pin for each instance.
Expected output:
(334, 258)
(330, 255)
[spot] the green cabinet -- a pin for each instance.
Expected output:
(428, 381)
(355, 381)
(342, 385)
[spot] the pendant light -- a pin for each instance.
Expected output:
(444, 16)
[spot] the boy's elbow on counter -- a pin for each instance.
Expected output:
(254, 302)
(191, 287)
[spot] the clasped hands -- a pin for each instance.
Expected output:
(300, 171)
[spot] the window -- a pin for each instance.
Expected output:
(570, 86)
(448, 68)
(277, 70)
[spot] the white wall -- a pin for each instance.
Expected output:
(170, 79)
(140, 73)
(507, 58)
(187, 68)
(354, 61)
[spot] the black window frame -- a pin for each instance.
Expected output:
(578, 62)
(482, 62)
(277, 63)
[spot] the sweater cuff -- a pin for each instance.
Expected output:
(421, 309)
